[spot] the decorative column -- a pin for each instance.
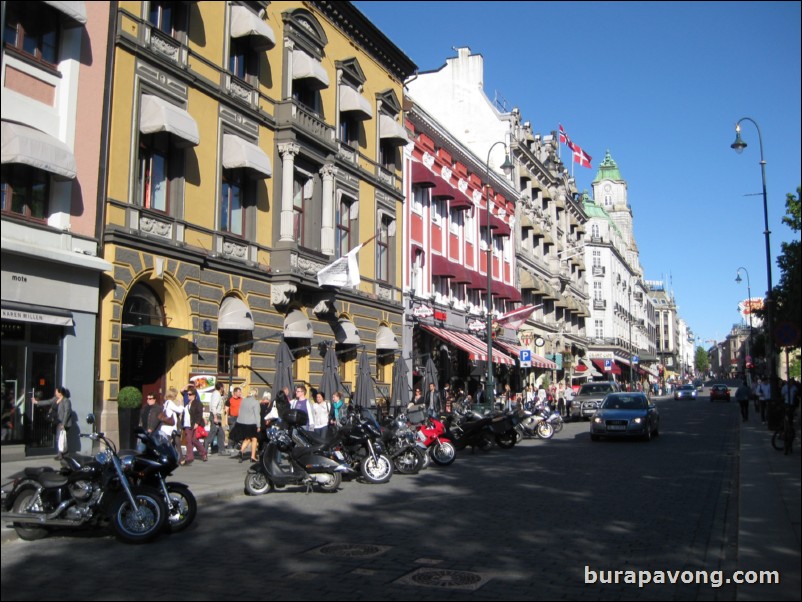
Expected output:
(328, 173)
(288, 152)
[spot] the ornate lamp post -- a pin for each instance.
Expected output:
(506, 167)
(739, 145)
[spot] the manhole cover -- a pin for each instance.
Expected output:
(445, 578)
(351, 550)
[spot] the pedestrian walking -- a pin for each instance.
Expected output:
(61, 414)
(742, 395)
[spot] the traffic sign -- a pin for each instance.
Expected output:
(635, 359)
(525, 358)
(608, 365)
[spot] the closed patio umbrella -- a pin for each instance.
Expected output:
(284, 360)
(331, 382)
(400, 385)
(364, 395)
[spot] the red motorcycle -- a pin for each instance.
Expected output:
(440, 449)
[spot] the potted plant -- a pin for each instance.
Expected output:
(129, 403)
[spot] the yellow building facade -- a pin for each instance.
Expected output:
(251, 145)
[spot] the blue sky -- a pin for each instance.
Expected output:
(661, 85)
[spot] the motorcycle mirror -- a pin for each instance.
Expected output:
(90, 419)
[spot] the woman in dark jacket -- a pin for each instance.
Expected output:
(61, 412)
(193, 416)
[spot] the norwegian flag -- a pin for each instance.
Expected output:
(580, 156)
(564, 137)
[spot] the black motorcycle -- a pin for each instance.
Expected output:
(287, 460)
(152, 467)
(402, 446)
(358, 443)
(470, 429)
(87, 491)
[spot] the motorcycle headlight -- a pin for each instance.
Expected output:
(128, 463)
(103, 457)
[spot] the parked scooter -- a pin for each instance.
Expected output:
(87, 491)
(287, 460)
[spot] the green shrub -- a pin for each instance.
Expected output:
(129, 398)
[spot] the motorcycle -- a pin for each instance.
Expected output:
(432, 434)
(87, 491)
(151, 468)
(533, 423)
(468, 428)
(286, 459)
(358, 443)
(402, 446)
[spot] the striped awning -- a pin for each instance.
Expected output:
(476, 349)
(538, 361)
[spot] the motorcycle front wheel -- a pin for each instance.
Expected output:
(22, 505)
(183, 508)
(443, 453)
(376, 471)
(140, 523)
(256, 483)
(545, 430)
(410, 461)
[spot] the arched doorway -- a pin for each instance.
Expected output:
(145, 335)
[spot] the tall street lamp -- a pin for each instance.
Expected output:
(739, 145)
(506, 167)
(749, 307)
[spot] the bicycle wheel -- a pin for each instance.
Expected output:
(778, 440)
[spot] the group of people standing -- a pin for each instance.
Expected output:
(181, 417)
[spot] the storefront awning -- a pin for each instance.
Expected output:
(538, 361)
(29, 146)
(234, 314)
(346, 333)
(36, 314)
(442, 267)
(615, 369)
(476, 349)
(352, 101)
(385, 338)
(158, 115)
(152, 330)
(239, 153)
(297, 326)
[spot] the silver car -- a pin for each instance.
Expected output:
(625, 415)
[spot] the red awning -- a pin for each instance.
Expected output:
(443, 189)
(423, 176)
(496, 223)
(441, 266)
(600, 365)
(538, 361)
(476, 349)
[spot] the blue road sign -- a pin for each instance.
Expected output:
(525, 358)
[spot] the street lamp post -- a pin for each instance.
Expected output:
(739, 145)
(749, 307)
(631, 355)
(506, 166)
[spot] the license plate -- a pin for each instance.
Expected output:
(616, 427)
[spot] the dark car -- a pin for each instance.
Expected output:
(625, 415)
(590, 397)
(719, 392)
(685, 392)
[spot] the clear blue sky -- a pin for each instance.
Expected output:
(661, 85)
